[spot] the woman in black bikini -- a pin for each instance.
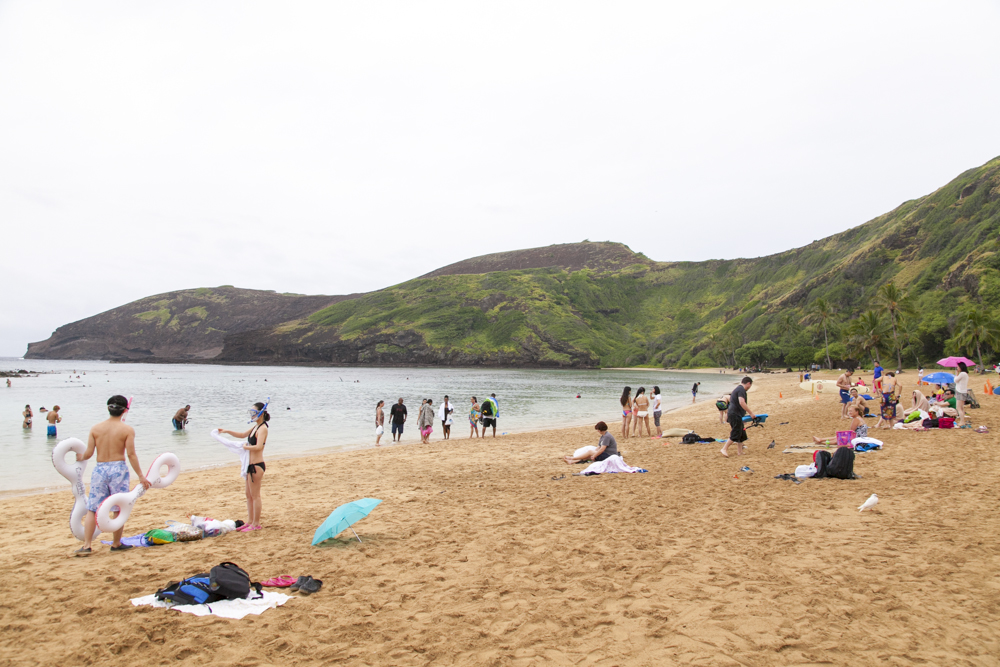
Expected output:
(256, 439)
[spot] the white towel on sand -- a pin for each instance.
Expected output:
(236, 448)
(223, 608)
(611, 464)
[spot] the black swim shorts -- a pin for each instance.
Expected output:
(487, 422)
(737, 432)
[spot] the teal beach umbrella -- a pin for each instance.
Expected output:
(343, 518)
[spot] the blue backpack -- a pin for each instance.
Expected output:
(193, 590)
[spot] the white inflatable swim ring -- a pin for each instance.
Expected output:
(584, 451)
(125, 501)
(73, 471)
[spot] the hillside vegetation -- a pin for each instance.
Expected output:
(600, 304)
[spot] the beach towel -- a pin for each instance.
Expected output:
(676, 432)
(134, 541)
(236, 609)
(609, 465)
(236, 447)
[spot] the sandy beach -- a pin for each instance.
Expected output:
(478, 556)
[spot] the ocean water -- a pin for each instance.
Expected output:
(313, 410)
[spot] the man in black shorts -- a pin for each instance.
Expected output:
(397, 415)
(737, 409)
(489, 417)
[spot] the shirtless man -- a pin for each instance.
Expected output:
(844, 385)
(180, 418)
(112, 439)
(52, 418)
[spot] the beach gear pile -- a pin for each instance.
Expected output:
(175, 531)
(226, 591)
(839, 465)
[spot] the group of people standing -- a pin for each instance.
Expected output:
(485, 415)
(636, 410)
(52, 417)
(113, 441)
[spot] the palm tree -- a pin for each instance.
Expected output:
(893, 301)
(822, 313)
(868, 334)
(910, 339)
(977, 328)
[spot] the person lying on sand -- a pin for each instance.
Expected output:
(857, 425)
(606, 446)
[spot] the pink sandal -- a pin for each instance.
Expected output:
(280, 582)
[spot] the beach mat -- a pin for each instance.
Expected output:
(676, 432)
(805, 448)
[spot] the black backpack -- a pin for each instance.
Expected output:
(822, 462)
(841, 465)
(690, 438)
(226, 581)
(231, 582)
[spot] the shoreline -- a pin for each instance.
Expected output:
(334, 450)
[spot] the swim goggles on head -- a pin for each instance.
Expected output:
(255, 413)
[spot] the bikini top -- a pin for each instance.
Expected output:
(252, 439)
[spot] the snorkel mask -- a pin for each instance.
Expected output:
(255, 413)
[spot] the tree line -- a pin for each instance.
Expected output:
(819, 334)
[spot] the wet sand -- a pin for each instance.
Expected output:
(477, 556)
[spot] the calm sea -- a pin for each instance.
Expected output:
(313, 410)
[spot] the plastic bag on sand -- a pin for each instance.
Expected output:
(213, 527)
(805, 471)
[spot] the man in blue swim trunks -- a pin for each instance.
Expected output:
(112, 439)
(844, 385)
(52, 418)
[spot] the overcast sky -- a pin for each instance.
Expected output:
(338, 147)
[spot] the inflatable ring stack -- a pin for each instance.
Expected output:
(126, 501)
(74, 473)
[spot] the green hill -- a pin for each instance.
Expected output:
(591, 304)
(600, 304)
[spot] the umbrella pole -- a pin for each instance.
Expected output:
(355, 535)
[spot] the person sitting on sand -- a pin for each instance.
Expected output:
(920, 403)
(857, 425)
(722, 405)
(606, 446)
(113, 440)
(844, 385)
(738, 408)
(640, 409)
(859, 400)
